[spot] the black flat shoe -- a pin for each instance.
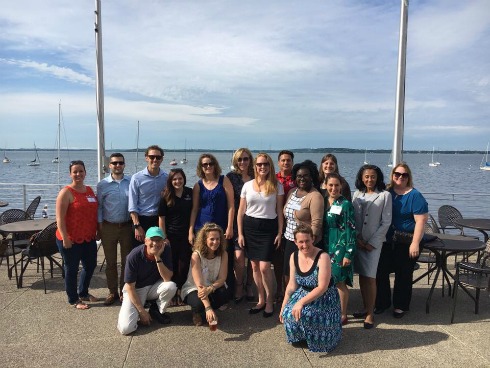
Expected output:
(268, 314)
(398, 314)
(239, 300)
(359, 314)
(368, 325)
(379, 310)
(256, 310)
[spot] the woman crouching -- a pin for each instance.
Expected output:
(311, 308)
(205, 288)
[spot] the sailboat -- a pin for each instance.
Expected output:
(485, 164)
(36, 161)
(184, 160)
(390, 162)
(56, 160)
(433, 163)
(365, 157)
(173, 162)
(6, 160)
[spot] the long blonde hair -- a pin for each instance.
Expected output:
(236, 156)
(271, 181)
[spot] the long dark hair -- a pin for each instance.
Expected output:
(380, 185)
(169, 192)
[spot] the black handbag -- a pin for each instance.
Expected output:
(405, 238)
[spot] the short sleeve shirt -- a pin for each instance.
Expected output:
(177, 217)
(405, 206)
(141, 270)
(258, 204)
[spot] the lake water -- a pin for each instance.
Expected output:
(458, 181)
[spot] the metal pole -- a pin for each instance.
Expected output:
(400, 86)
(99, 84)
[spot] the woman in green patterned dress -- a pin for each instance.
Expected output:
(340, 238)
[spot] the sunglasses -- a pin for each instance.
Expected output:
(115, 163)
(153, 157)
(207, 164)
(261, 164)
(245, 159)
(397, 174)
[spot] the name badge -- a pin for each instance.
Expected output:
(296, 206)
(91, 199)
(336, 210)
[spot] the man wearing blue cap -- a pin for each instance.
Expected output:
(147, 277)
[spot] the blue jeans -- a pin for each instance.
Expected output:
(85, 252)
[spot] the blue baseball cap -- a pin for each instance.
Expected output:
(155, 231)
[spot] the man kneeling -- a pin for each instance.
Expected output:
(147, 277)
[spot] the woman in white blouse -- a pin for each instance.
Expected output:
(260, 228)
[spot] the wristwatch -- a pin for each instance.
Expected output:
(135, 226)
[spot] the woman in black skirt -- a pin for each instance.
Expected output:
(260, 228)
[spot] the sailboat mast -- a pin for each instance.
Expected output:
(400, 86)
(59, 139)
(99, 84)
(137, 148)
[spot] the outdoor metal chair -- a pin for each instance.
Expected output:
(446, 216)
(7, 217)
(43, 245)
(475, 275)
(31, 210)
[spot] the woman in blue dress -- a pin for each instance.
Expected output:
(212, 201)
(311, 308)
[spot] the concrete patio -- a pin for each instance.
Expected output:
(41, 330)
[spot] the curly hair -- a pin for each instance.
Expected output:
(312, 168)
(236, 156)
(380, 185)
(169, 192)
(271, 183)
(200, 171)
(200, 244)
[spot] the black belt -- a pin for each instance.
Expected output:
(119, 224)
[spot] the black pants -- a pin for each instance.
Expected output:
(394, 258)
(217, 299)
(146, 222)
(181, 258)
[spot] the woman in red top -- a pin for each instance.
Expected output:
(76, 215)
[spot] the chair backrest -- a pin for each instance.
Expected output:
(13, 215)
(446, 216)
(431, 226)
(44, 242)
(486, 255)
(31, 210)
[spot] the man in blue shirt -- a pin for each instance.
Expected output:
(147, 276)
(114, 223)
(145, 192)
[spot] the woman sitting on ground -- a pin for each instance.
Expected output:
(205, 288)
(311, 308)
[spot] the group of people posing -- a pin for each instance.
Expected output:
(182, 245)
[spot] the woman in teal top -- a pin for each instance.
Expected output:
(340, 238)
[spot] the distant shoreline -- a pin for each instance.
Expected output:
(298, 150)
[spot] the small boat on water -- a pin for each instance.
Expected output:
(485, 164)
(173, 162)
(55, 160)
(36, 161)
(366, 162)
(433, 163)
(6, 160)
(184, 160)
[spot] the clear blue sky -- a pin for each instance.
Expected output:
(263, 74)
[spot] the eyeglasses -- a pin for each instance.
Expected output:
(262, 164)
(244, 159)
(397, 174)
(153, 157)
(300, 177)
(77, 162)
(207, 164)
(117, 163)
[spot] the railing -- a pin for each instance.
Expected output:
(19, 195)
